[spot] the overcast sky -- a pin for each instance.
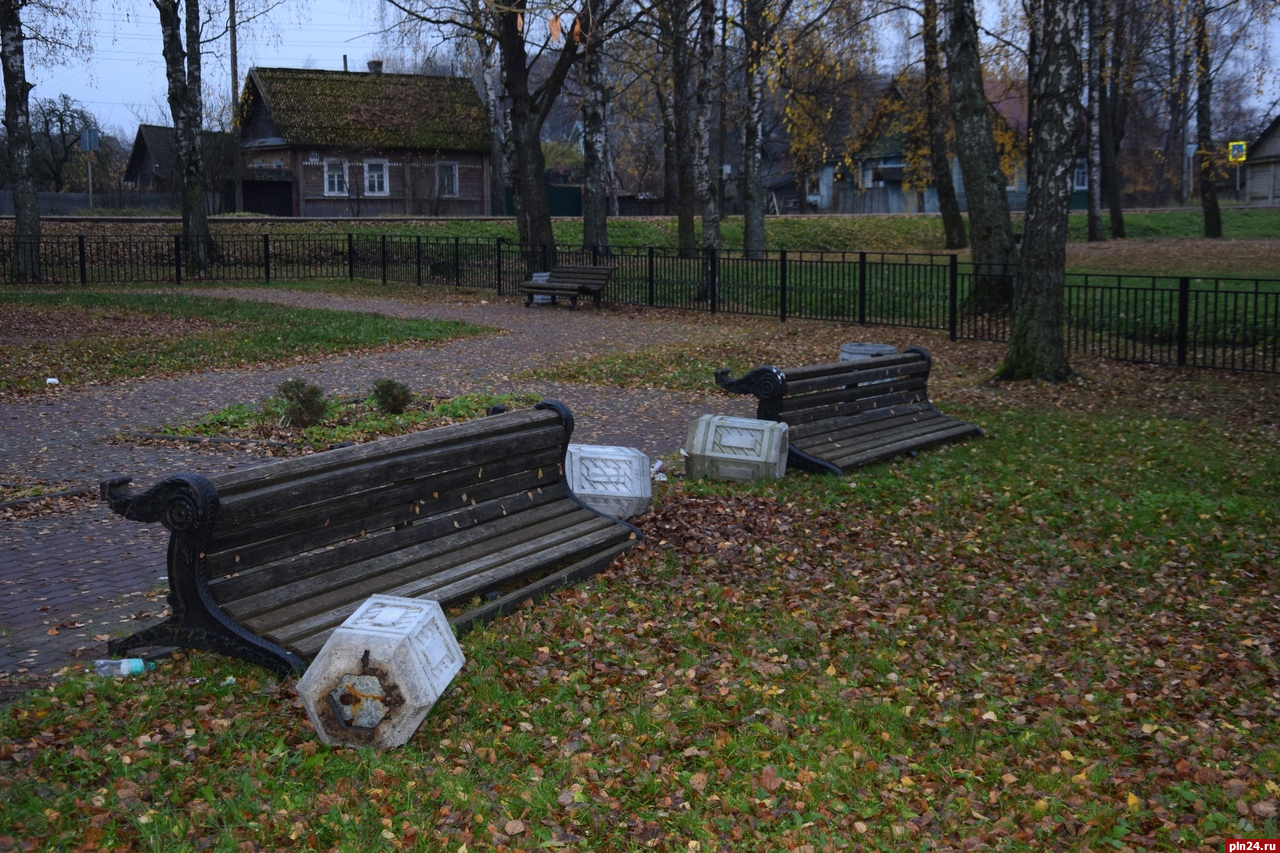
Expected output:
(123, 82)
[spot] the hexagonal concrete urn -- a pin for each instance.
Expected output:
(380, 672)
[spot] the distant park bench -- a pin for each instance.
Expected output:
(569, 282)
(265, 562)
(851, 413)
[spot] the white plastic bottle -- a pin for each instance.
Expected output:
(121, 668)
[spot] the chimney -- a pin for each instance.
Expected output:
(344, 62)
(375, 66)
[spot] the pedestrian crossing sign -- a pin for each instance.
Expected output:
(1236, 151)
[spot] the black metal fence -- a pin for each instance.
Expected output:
(1188, 321)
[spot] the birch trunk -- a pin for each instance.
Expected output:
(1037, 349)
(595, 151)
(183, 74)
(492, 75)
(753, 238)
(702, 166)
(17, 124)
(1204, 125)
(1095, 126)
(939, 151)
(990, 229)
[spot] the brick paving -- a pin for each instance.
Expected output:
(69, 580)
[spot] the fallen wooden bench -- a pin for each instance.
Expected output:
(265, 562)
(570, 282)
(851, 413)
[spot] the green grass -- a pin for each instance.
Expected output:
(211, 333)
(1063, 630)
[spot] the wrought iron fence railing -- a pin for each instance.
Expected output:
(1221, 323)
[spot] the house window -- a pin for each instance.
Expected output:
(1081, 181)
(447, 180)
(335, 177)
(375, 177)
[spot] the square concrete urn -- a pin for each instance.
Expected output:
(380, 672)
(720, 447)
(611, 480)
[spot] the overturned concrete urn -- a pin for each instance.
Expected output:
(380, 672)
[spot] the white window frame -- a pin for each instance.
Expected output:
(330, 173)
(1080, 176)
(383, 175)
(442, 168)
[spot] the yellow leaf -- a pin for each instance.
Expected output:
(1134, 803)
(1080, 778)
(831, 669)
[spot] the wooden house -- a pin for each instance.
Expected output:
(153, 164)
(339, 144)
(1262, 167)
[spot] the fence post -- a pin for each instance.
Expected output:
(595, 256)
(953, 300)
(266, 257)
(84, 268)
(1184, 320)
(417, 260)
(782, 285)
(499, 264)
(652, 293)
(862, 288)
(457, 263)
(711, 272)
(351, 258)
(177, 259)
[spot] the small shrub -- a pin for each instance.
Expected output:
(304, 402)
(391, 397)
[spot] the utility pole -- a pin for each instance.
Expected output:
(236, 165)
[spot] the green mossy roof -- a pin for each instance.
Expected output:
(375, 111)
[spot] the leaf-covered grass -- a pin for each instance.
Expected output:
(1060, 636)
(129, 335)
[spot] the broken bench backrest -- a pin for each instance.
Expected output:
(451, 513)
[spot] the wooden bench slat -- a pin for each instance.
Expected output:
(592, 565)
(300, 589)
(851, 402)
(842, 415)
(287, 495)
(870, 421)
(297, 564)
(317, 525)
(932, 438)
(885, 432)
(459, 580)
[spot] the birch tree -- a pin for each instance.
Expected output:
(56, 30)
(1037, 349)
(180, 30)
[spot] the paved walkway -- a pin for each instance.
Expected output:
(71, 580)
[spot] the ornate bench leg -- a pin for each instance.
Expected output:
(528, 300)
